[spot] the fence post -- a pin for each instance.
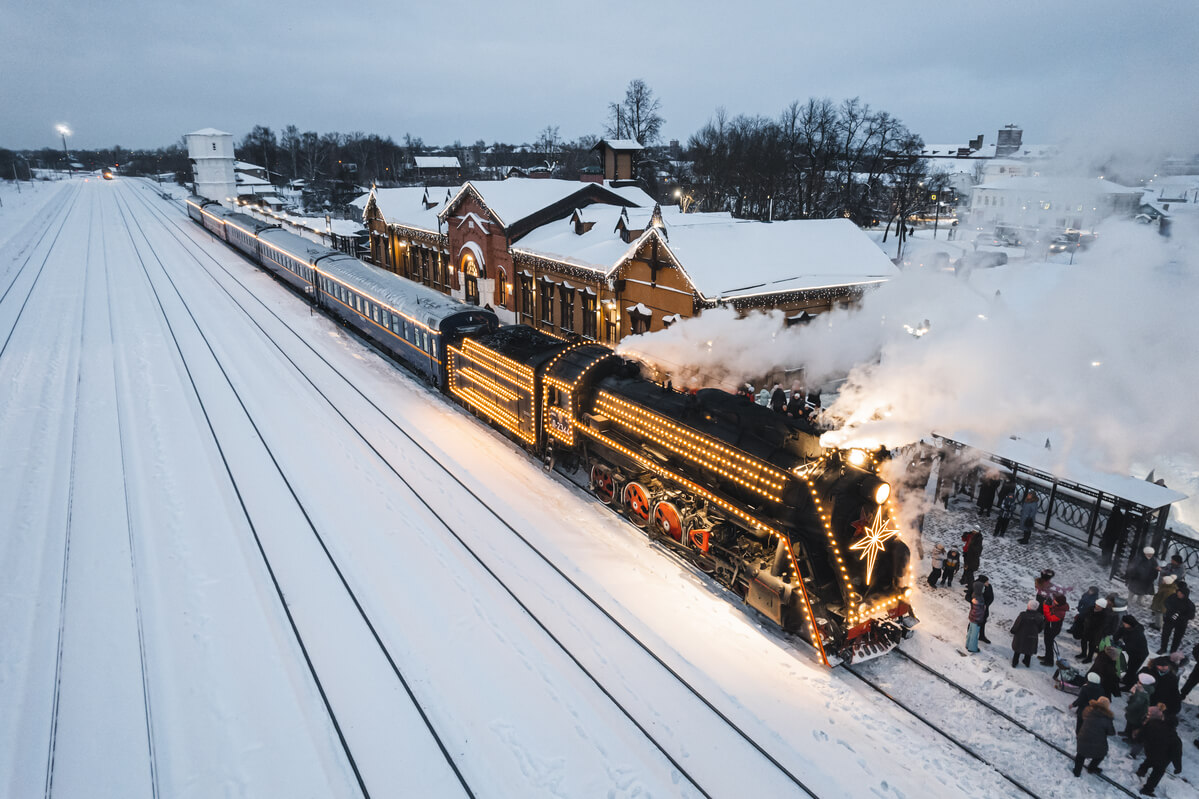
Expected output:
(1049, 507)
(1094, 518)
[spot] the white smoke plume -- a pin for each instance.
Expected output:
(1102, 356)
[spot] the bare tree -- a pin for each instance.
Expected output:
(637, 116)
(290, 143)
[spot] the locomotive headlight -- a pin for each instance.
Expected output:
(881, 493)
(856, 457)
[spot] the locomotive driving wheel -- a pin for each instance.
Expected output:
(667, 521)
(636, 501)
(602, 483)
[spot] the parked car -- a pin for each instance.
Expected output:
(982, 260)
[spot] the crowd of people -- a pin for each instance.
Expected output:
(1114, 645)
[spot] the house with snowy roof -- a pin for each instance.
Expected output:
(1050, 204)
(437, 167)
(604, 261)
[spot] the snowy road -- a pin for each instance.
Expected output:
(234, 565)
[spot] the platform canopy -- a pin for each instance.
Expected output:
(1032, 456)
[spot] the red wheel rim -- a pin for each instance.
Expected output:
(601, 483)
(666, 519)
(637, 501)
(699, 539)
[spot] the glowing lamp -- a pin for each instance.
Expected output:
(857, 458)
(881, 493)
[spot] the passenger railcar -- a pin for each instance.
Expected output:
(413, 323)
(804, 535)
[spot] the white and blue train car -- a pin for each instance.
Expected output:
(412, 322)
(241, 230)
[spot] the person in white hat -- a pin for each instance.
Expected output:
(1140, 576)
(1164, 592)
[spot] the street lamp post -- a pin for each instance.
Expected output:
(64, 131)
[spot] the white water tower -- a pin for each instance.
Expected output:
(211, 154)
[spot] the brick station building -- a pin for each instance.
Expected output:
(598, 258)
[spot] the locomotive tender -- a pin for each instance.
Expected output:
(805, 535)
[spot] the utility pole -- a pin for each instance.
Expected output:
(64, 131)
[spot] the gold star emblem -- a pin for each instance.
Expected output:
(874, 539)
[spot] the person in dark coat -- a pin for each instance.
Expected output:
(1113, 533)
(795, 405)
(1165, 687)
(1131, 638)
(982, 587)
(1162, 747)
(778, 399)
(1094, 628)
(1054, 611)
(1028, 514)
(1091, 689)
(1140, 574)
(986, 493)
(1105, 667)
(1086, 603)
(1026, 633)
(1179, 612)
(1097, 725)
(1007, 508)
(972, 552)
(1193, 679)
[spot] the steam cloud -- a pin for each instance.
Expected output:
(1100, 356)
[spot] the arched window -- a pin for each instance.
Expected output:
(501, 287)
(470, 278)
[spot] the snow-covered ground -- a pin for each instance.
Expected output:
(235, 564)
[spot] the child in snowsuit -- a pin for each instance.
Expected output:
(938, 563)
(950, 567)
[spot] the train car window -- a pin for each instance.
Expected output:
(434, 346)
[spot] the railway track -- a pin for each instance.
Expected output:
(184, 235)
(56, 697)
(973, 712)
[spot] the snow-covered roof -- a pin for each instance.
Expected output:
(632, 194)
(743, 259)
(622, 144)
(209, 132)
(1021, 153)
(600, 248)
(516, 198)
(406, 206)
(1059, 185)
(246, 166)
(436, 162)
(244, 179)
(1035, 455)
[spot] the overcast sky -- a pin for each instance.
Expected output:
(141, 74)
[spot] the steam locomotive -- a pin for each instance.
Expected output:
(806, 536)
